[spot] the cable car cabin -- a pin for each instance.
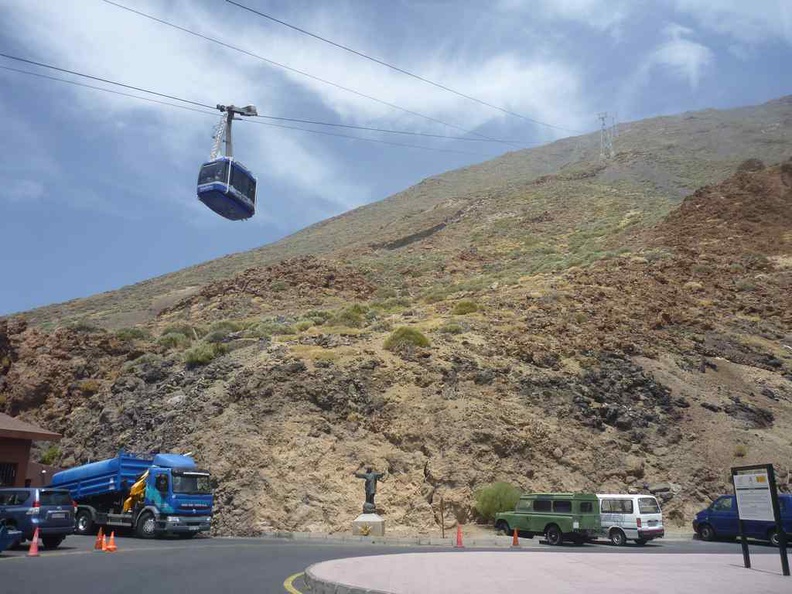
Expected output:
(228, 188)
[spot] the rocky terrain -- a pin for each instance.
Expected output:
(588, 326)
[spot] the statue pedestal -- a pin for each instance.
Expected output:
(368, 525)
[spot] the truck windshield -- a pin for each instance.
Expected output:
(192, 484)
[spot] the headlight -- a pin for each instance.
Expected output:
(173, 519)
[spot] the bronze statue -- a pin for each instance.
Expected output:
(371, 479)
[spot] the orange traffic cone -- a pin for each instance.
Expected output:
(111, 546)
(515, 540)
(459, 544)
(98, 543)
(33, 551)
(104, 544)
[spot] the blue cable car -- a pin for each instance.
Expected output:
(224, 184)
(228, 188)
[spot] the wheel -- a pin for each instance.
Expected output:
(641, 541)
(145, 525)
(706, 532)
(502, 526)
(84, 523)
(617, 537)
(774, 537)
(52, 542)
(553, 535)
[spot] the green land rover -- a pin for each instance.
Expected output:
(559, 516)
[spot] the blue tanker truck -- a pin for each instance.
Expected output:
(157, 495)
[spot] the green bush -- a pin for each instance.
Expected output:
(465, 307)
(435, 296)
(203, 353)
(318, 317)
(268, 328)
(216, 336)
(130, 334)
(50, 455)
(186, 329)
(173, 340)
(227, 326)
(84, 326)
(494, 498)
(351, 317)
(303, 325)
(740, 450)
(451, 328)
(405, 337)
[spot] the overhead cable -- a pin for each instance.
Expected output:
(306, 74)
(206, 112)
(401, 70)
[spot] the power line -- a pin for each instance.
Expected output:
(306, 74)
(79, 84)
(401, 70)
(212, 113)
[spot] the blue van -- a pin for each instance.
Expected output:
(49, 510)
(719, 520)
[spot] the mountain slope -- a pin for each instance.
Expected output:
(533, 210)
(667, 361)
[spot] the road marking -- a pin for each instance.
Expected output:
(289, 583)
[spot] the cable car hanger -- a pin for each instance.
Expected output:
(224, 184)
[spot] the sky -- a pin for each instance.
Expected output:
(98, 189)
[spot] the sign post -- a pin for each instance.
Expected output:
(757, 500)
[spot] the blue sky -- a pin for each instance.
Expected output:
(99, 190)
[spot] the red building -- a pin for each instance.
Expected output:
(16, 437)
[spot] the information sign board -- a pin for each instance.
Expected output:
(754, 499)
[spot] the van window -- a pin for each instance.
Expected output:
(542, 505)
(562, 506)
(617, 506)
(55, 498)
(648, 505)
(586, 507)
(724, 504)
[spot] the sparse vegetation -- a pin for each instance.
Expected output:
(174, 340)
(405, 337)
(130, 334)
(740, 450)
(50, 455)
(451, 328)
(351, 317)
(494, 498)
(465, 307)
(90, 386)
(303, 325)
(203, 353)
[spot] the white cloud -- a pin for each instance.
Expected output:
(603, 15)
(22, 190)
(753, 22)
(685, 58)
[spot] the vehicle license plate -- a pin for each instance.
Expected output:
(58, 516)
(193, 527)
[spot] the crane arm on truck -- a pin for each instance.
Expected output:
(136, 493)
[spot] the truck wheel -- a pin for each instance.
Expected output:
(52, 542)
(617, 537)
(706, 532)
(553, 535)
(774, 538)
(84, 523)
(145, 525)
(501, 526)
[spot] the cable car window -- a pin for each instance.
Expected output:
(243, 183)
(212, 172)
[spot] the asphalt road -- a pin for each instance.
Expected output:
(234, 565)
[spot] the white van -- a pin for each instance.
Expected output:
(630, 517)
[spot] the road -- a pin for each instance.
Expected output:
(231, 565)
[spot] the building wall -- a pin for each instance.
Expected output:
(16, 451)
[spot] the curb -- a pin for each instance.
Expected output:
(319, 586)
